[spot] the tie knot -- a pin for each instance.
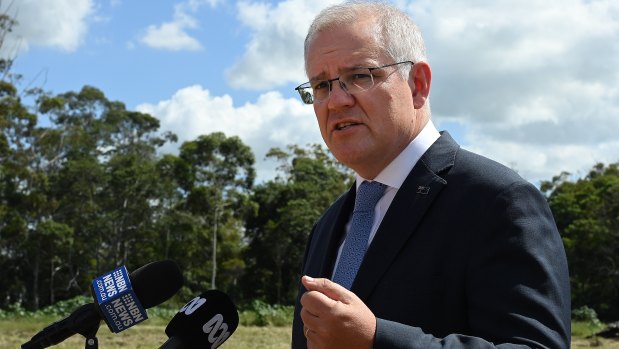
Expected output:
(368, 195)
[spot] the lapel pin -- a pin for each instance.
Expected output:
(423, 190)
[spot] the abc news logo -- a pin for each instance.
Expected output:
(215, 328)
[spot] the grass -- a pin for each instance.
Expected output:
(14, 333)
(149, 335)
(261, 326)
(581, 336)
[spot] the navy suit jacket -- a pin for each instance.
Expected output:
(467, 256)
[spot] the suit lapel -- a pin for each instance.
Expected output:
(421, 187)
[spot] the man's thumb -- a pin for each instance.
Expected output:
(327, 287)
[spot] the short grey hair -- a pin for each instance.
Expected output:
(396, 32)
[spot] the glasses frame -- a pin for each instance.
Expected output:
(308, 97)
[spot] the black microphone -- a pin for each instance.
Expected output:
(205, 322)
(153, 284)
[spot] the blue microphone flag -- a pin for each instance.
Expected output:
(117, 300)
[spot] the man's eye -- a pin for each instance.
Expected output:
(360, 77)
(320, 85)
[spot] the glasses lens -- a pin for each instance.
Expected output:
(305, 92)
(358, 80)
(321, 90)
(306, 95)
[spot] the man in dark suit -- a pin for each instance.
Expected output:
(459, 251)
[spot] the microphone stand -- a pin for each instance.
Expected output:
(91, 336)
(85, 320)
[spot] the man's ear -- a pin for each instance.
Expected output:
(419, 81)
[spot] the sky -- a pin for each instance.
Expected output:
(532, 84)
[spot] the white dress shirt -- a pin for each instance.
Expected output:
(394, 175)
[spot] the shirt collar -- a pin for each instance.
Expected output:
(396, 172)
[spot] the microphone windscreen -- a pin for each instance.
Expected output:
(156, 282)
(209, 318)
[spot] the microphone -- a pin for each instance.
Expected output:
(152, 284)
(205, 322)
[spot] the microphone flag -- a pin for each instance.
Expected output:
(117, 300)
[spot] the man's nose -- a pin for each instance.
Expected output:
(339, 96)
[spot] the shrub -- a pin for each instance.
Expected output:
(586, 314)
(259, 313)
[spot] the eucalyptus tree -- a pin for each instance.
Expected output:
(102, 160)
(587, 214)
(23, 198)
(215, 175)
(309, 180)
(7, 22)
(25, 222)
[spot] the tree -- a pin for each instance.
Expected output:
(29, 238)
(215, 174)
(6, 26)
(289, 205)
(48, 246)
(100, 161)
(587, 215)
(22, 186)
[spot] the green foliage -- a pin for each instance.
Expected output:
(288, 206)
(586, 324)
(587, 215)
(57, 310)
(62, 308)
(90, 190)
(585, 314)
(6, 26)
(164, 312)
(14, 311)
(149, 335)
(258, 313)
(215, 174)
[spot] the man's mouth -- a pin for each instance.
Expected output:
(344, 125)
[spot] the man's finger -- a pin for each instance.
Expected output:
(328, 288)
(310, 320)
(317, 303)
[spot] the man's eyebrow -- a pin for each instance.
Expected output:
(323, 75)
(320, 76)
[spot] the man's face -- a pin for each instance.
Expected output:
(365, 131)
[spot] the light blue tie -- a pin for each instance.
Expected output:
(356, 242)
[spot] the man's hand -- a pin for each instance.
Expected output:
(334, 317)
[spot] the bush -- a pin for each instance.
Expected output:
(14, 310)
(259, 313)
(163, 312)
(63, 308)
(60, 309)
(586, 314)
(585, 323)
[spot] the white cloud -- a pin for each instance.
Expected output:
(170, 36)
(537, 164)
(274, 56)
(173, 35)
(519, 63)
(55, 23)
(272, 121)
(534, 83)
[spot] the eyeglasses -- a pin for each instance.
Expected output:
(353, 81)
